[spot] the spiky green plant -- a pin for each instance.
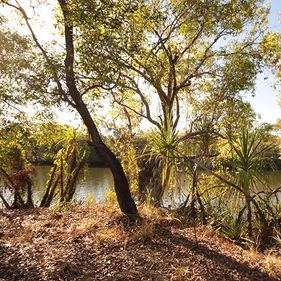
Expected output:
(162, 147)
(249, 155)
(230, 226)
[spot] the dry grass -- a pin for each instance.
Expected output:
(272, 264)
(99, 243)
(144, 232)
(181, 274)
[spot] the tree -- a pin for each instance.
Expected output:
(181, 54)
(23, 75)
(47, 138)
(67, 89)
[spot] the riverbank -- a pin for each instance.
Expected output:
(98, 243)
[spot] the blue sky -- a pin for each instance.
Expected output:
(265, 101)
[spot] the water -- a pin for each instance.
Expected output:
(94, 184)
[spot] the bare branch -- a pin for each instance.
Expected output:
(177, 113)
(172, 71)
(189, 136)
(186, 82)
(138, 91)
(136, 112)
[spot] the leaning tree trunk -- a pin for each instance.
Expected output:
(74, 98)
(125, 200)
(121, 185)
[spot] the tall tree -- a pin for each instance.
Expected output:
(67, 88)
(178, 53)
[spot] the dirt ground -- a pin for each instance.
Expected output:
(98, 243)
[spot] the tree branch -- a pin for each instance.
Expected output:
(43, 51)
(144, 101)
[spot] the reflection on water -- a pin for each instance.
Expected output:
(94, 182)
(173, 198)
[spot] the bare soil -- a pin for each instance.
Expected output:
(98, 243)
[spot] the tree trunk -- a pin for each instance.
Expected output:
(121, 185)
(29, 202)
(249, 218)
(48, 188)
(150, 181)
(125, 200)
(6, 204)
(18, 201)
(202, 208)
(193, 211)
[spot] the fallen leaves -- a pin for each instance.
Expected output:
(99, 244)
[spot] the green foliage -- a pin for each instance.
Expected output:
(170, 42)
(24, 77)
(230, 226)
(39, 141)
(13, 147)
(59, 208)
(48, 138)
(70, 161)
(110, 197)
(123, 143)
(249, 157)
(14, 62)
(90, 199)
(123, 146)
(192, 57)
(163, 148)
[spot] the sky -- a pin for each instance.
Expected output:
(266, 99)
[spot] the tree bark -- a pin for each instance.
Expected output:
(249, 218)
(29, 202)
(48, 188)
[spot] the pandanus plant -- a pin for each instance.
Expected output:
(162, 149)
(249, 154)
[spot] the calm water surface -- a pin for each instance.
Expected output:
(95, 182)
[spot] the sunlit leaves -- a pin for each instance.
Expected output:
(270, 48)
(239, 73)
(24, 76)
(38, 141)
